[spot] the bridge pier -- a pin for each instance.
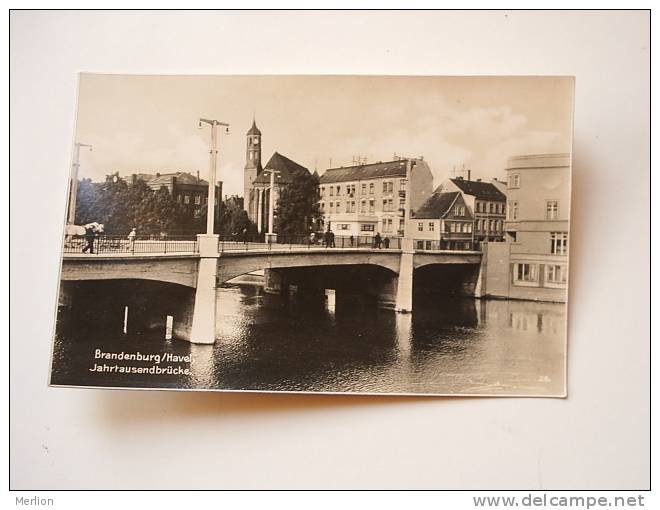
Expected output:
(404, 289)
(203, 319)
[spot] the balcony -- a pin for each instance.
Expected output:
(402, 193)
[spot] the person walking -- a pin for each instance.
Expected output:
(377, 240)
(386, 242)
(89, 237)
(131, 240)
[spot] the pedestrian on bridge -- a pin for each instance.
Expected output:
(378, 241)
(131, 240)
(90, 234)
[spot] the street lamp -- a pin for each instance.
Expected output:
(271, 236)
(73, 189)
(210, 214)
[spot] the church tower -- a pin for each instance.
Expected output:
(252, 169)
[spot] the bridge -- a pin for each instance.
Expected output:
(183, 274)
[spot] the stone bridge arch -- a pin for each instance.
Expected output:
(233, 265)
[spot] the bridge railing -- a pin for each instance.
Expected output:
(104, 244)
(435, 245)
(304, 241)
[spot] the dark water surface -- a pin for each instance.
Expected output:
(449, 345)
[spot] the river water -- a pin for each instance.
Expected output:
(449, 345)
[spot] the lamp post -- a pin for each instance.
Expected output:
(210, 214)
(271, 236)
(73, 189)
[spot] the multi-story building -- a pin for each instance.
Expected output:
(443, 222)
(487, 203)
(185, 188)
(533, 264)
(366, 199)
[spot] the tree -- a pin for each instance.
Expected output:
(297, 207)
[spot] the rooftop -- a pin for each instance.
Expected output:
(539, 161)
(181, 178)
(254, 130)
(478, 189)
(437, 205)
(286, 169)
(363, 172)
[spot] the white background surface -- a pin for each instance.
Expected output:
(597, 438)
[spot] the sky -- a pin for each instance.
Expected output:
(149, 124)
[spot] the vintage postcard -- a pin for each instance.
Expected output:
(335, 234)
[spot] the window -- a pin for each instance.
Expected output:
(371, 188)
(402, 225)
(551, 209)
(384, 187)
(514, 181)
(388, 186)
(338, 206)
(332, 206)
(363, 206)
(555, 273)
(452, 227)
(513, 210)
(525, 272)
(372, 205)
(322, 206)
(469, 228)
(431, 226)
(364, 188)
(178, 198)
(186, 199)
(343, 226)
(198, 200)
(402, 184)
(498, 226)
(559, 243)
(420, 226)
(402, 203)
(322, 190)
(251, 155)
(459, 210)
(366, 227)
(332, 191)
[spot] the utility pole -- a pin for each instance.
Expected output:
(73, 188)
(210, 213)
(271, 236)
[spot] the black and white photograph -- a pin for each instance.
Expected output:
(402, 235)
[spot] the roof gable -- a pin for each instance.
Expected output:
(437, 205)
(480, 190)
(287, 169)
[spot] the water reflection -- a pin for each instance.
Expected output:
(289, 343)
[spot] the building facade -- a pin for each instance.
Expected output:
(185, 188)
(487, 202)
(443, 222)
(366, 199)
(533, 263)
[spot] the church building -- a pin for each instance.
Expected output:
(257, 179)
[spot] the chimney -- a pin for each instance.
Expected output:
(469, 173)
(198, 176)
(157, 174)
